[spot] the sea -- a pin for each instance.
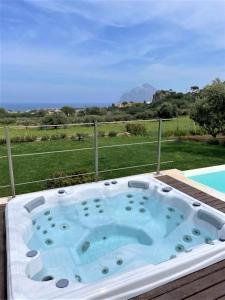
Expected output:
(32, 105)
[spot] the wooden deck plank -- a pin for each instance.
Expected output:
(214, 292)
(195, 286)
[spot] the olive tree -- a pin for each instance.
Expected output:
(209, 108)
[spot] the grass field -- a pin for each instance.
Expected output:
(182, 123)
(185, 154)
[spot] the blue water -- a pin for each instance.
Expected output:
(35, 105)
(99, 237)
(214, 180)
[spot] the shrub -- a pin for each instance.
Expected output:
(23, 139)
(168, 133)
(213, 141)
(63, 136)
(30, 138)
(136, 129)
(2, 141)
(45, 138)
(61, 182)
(7, 121)
(112, 133)
(55, 137)
(198, 131)
(179, 132)
(101, 133)
(54, 119)
(80, 136)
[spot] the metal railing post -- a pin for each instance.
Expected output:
(96, 149)
(159, 147)
(10, 163)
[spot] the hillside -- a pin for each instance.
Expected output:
(141, 93)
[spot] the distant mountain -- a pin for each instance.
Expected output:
(141, 93)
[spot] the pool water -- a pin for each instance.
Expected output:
(214, 180)
(99, 237)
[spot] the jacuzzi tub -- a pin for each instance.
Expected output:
(107, 240)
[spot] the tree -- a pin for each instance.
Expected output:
(209, 109)
(54, 119)
(68, 110)
(167, 110)
(3, 112)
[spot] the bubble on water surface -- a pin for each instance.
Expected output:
(187, 238)
(171, 209)
(78, 278)
(128, 208)
(105, 270)
(196, 231)
(48, 242)
(179, 248)
(85, 246)
(47, 278)
(129, 195)
(119, 261)
(64, 226)
(208, 240)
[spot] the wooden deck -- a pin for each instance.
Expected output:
(206, 284)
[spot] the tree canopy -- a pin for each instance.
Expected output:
(209, 109)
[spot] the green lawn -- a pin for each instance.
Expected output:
(185, 154)
(181, 123)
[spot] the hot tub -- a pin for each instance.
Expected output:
(108, 240)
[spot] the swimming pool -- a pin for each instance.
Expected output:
(213, 177)
(112, 239)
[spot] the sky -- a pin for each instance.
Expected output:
(91, 51)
